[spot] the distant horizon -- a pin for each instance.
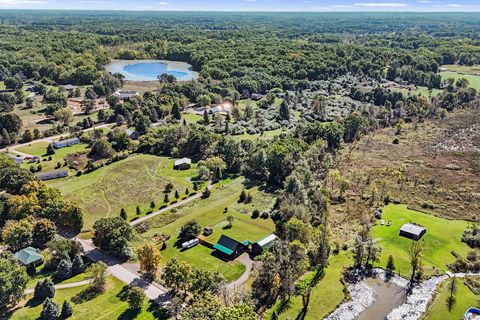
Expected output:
(306, 6)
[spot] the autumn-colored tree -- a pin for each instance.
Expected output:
(149, 257)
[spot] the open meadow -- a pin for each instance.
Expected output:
(135, 181)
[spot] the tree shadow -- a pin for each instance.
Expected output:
(129, 314)
(158, 311)
(85, 295)
(32, 303)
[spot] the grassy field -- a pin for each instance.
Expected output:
(267, 135)
(105, 306)
(326, 295)
(439, 240)
(423, 91)
(474, 80)
(438, 309)
(39, 149)
(191, 117)
(210, 212)
(137, 180)
(473, 70)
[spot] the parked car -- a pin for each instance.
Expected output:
(382, 222)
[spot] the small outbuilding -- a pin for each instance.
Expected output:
(29, 257)
(412, 231)
(69, 87)
(263, 244)
(65, 143)
(207, 231)
(229, 247)
(56, 174)
(134, 135)
(183, 164)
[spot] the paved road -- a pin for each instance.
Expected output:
(12, 148)
(248, 263)
(170, 207)
(64, 286)
(152, 290)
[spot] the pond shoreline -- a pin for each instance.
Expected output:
(171, 67)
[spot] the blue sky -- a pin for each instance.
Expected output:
(248, 5)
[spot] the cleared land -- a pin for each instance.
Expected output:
(135, 181)
(474, 80)
(439, 241)
(105, 306)
(327, 294)
(441, 171)
(210, 212)
(465, 298)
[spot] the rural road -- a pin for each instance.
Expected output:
(170, 207)
(64, 286)
(152, 291)
(13, 148)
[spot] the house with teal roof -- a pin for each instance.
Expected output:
(29, 257)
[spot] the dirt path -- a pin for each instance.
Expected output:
(64, 286)
(170, 207)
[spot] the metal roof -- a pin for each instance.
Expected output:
(52, 175)
(227, 245)
(223, 249)
(183, 161)
(412, 229)
(267, 240)
(28, 255)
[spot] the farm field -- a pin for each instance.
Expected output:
(465, 298)
(210, 212)
(191, 117)
(135, 181)
(105, 306)
(439, 241)
(327, 294)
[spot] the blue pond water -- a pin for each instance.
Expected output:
(149, 70)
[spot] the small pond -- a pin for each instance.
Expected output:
(149, 70)
(388, 296)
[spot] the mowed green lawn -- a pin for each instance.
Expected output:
(210, 212)
(326, 295)
(135, 181)
(105, 306)
(442, 237)
(39, 149)
(474, 80)
(465, 298)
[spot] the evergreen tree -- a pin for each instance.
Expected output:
(50, 149)
(206, 118)
(390, 264)
(177, 195)
(243, 196)
(44, 289)
(64, 269)
(49, 310)
(176, 111)
(165, 198)
(77, 265)
(123, 214)
(284, 111)
(138, 211)
(152, 205)
(67, 310)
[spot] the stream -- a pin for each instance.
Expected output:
(376, 298)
